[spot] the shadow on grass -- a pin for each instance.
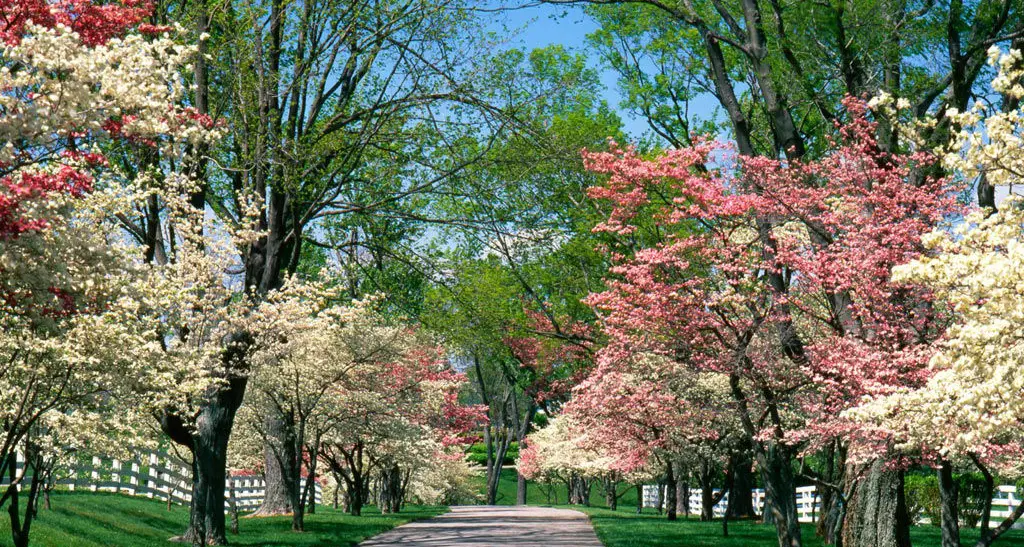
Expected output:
(627, 529)
(100, 519)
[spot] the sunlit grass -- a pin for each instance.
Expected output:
(96, 519)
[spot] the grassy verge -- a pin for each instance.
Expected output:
(624, 528)
(627, 529)
(554, 494)
(96, 519)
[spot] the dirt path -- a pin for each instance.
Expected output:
(486, 525)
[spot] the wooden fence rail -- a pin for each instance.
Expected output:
(808, 505)
(153, 475)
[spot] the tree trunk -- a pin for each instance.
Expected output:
(670, 492)
(524, 428)
(389, 494)
(311, 494)
(950, 508)
(309, 457)
(780, 493)
(741, 503)
(830, 519)
(209, 446)
(233, 505)
(683, 493)
(579, 490)
(876, 513)
(520, 489)
(495, 460)
(355, 498)
(639, 499)
(279, 470)
(611, 497)
(20, 528)
(707, 492)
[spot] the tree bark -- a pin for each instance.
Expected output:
(741, 504)
(20, 527)
(208, 444)
(579, 490)
(520, 489)
(495, 461)
(707, 493)
(780, 491)
(950, 514)
(670, 491)
(278, 467)
(311, 492)
(390, 491)
(877, 511)
(611, 496)
(830, 520)
(682, 492)
(233, 505)
(524, 428)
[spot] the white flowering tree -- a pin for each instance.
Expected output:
(79, 337)
(561, 452)
(972, 408)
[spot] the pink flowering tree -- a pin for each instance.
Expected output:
(777, 275)
(553, 353)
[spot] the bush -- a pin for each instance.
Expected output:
(478, 454)
(923, 499)
(971, 497)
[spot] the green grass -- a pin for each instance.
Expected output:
(555, 494)
(96, 519)
(626, 529)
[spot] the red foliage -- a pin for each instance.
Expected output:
(17, 189)
(831, 229)
(557, 356)
(95, 22)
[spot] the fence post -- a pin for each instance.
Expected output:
(94, 475)
(133, 478)
(154, 475)
(115, 474)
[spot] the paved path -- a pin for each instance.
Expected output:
(483, 525)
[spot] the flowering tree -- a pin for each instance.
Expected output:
(970, 410)
(562, 452)
(371, 399)
(78, 332)
(650, 415)
(776, 275)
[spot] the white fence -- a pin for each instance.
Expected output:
(154, 475)
(808, 506)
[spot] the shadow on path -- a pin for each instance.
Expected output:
(482, 525)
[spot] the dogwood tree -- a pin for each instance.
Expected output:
(80, 351)
(777, 275)
(392, 418)
(371, 398)
(970, 409)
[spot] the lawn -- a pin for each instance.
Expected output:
(555, 494)
(96, 519)
(624, 528)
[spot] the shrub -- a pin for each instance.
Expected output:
(478, 454)
(972, 498)
(923, 500)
